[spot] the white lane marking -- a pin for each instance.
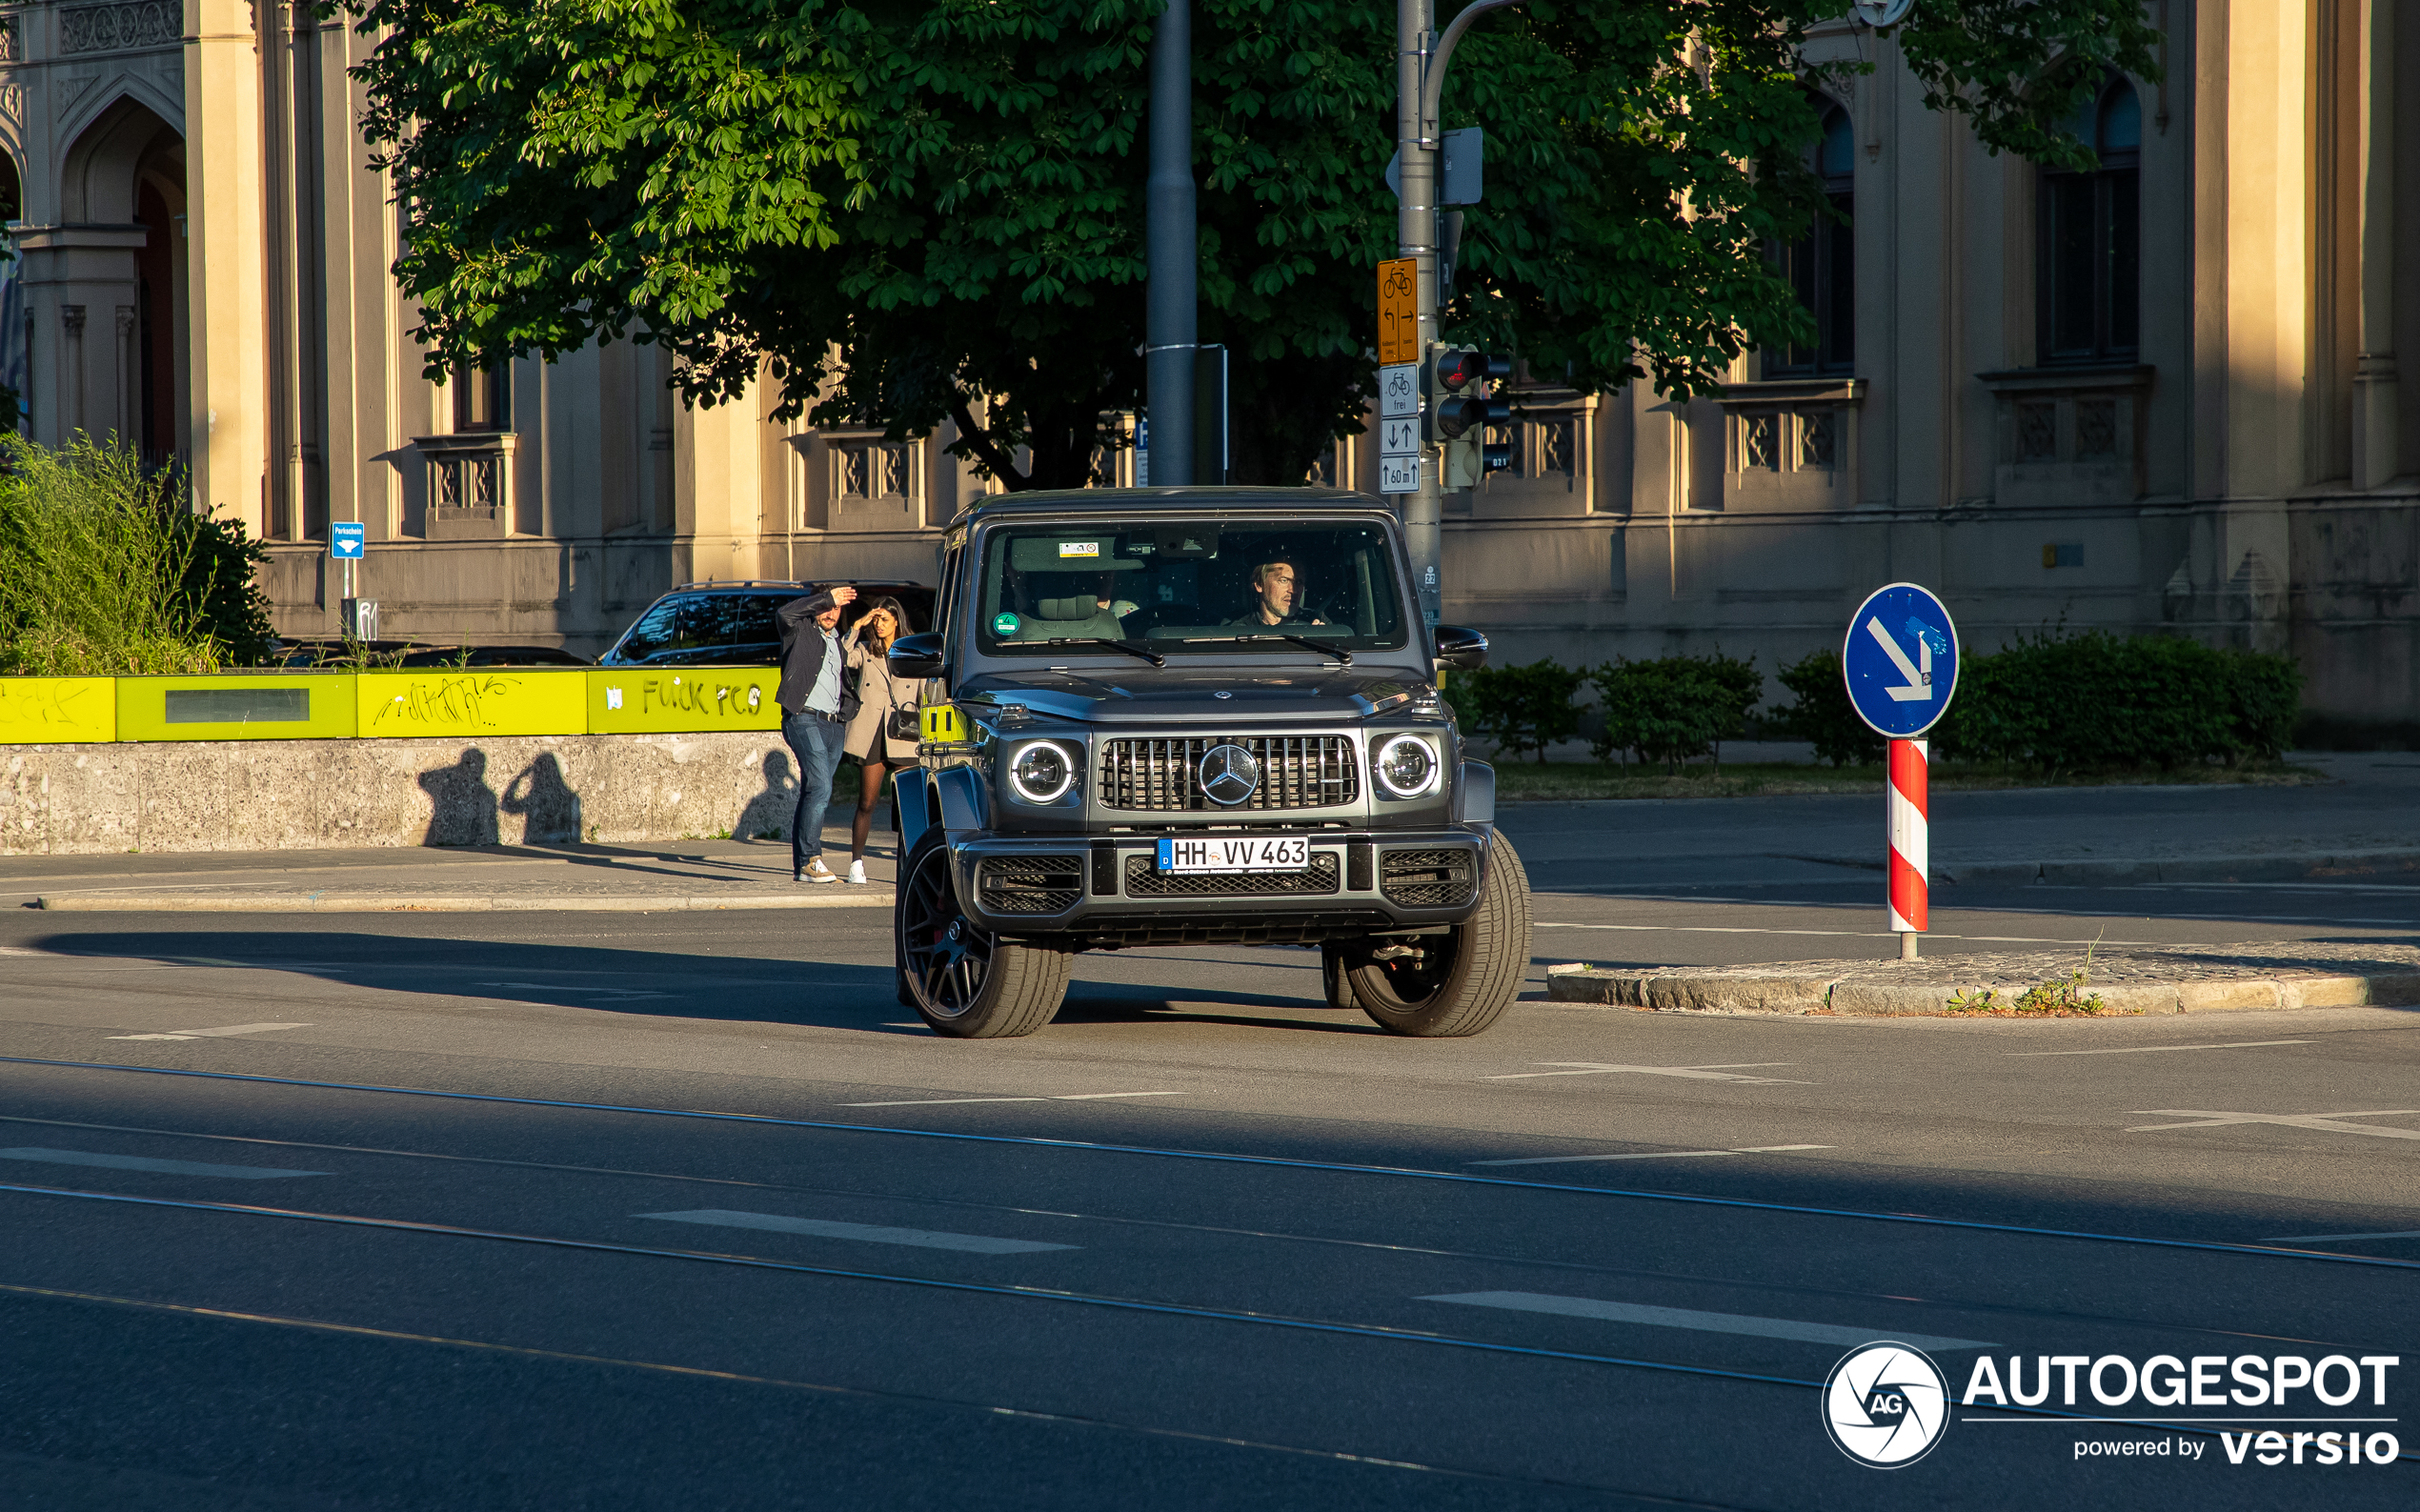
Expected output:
(11, 950)
(2324, 1239)
(1703, 1322)
(865, 1232)
(1649, 1155)
(2325, 1122)
(213, 1033)
(1064, 1097)
(2137, 1050)
(142, 1162)
(1842, 933)
(1589, 1068)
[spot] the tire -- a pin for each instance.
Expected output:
(1336, 973)
(964, 982)
(1463, 984)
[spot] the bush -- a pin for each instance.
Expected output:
(1675, 708)
(2098, 700)
(1822, 716)
(104, 569)
(1519, 708)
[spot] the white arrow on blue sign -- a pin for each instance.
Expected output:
(1901, 661)
(345, 540)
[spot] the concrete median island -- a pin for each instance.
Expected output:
(2126, 980)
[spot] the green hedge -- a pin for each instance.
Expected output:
(2063, 702)
(2047, 702)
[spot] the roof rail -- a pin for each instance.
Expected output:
(741, 582)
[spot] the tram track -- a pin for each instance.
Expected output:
(1284, 1163)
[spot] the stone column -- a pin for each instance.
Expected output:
(225, 232)
(2375, 455)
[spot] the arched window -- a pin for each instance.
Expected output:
(2089, 276)
(1822, 265)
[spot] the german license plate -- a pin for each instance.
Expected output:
(1233, 853)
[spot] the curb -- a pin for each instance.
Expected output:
(2270, 868)
(1709, 993)
(828, 896)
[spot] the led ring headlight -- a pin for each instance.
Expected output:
(1041, 772)
(1407, 766)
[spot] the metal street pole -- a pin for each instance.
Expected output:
(1170, 333)
(1416, 238)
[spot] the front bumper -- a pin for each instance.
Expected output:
(1098, 890)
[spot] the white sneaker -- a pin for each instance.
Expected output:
(816, 872)
(857, 873)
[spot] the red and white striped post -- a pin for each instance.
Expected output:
(1910, 804)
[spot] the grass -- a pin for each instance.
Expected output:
(1569, 781)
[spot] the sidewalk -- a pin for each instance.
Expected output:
(2135, 979)
(671, 877)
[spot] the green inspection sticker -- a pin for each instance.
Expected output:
(1004, 623)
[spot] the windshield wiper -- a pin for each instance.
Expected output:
(1344, 658)
(1126, 646)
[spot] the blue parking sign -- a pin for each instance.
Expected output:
(1901, 661)
(346, 540)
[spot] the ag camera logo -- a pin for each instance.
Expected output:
(1886, 1405)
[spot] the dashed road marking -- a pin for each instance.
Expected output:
(144, 1162)
(1590, 1068)
(1064, 1097)
(213, 1033)
(2137, 1050)
(863, 1233)
(2325, 1122)
(1704, 1323)
(1650, 1155)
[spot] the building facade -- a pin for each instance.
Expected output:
(2160, 396)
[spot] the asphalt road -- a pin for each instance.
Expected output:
(703, 1218)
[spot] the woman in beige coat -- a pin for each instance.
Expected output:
(868, 741)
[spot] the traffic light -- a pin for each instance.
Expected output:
(1460, 410)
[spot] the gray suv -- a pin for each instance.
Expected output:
(1197, 716)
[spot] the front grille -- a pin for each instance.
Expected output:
(1145, 879)
(1030, 884)
(1297, 772)
(1427, 879)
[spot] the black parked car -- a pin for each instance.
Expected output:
(731, 624)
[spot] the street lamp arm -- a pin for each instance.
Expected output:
(1433, 86)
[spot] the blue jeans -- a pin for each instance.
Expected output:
(816, 741)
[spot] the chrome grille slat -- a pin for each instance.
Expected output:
(1162, 773)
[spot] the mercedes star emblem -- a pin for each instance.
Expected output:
(1229, 776)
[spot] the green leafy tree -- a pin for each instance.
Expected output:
(934, 210)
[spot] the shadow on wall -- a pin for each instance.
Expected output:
(548, 807)
(768, 815)
(463, 808)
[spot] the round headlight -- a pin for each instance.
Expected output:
(1041, 772)
(1407, 766)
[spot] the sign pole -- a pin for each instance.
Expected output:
(1910, 823)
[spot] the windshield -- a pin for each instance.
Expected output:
(1182, 587)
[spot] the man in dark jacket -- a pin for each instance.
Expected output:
(816, 702)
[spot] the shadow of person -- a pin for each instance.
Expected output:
(548, 807)
(462, 806)
(767, 816)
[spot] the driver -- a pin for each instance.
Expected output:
(1273, 592)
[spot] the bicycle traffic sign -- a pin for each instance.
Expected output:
(1900, 660)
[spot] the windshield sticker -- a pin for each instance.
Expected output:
(1068, 549)
(1004, 623)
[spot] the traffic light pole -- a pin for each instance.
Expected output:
(1420, 83)
(1171, 333)
(1416, 238)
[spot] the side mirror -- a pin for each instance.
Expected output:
(1463, 649)
(917, 656)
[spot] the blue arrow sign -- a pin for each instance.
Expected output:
(345, 540)
(1901, 661)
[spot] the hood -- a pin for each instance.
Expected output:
(1197, 695)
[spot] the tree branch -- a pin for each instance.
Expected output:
(977, 440)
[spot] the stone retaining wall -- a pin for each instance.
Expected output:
(308, 794)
